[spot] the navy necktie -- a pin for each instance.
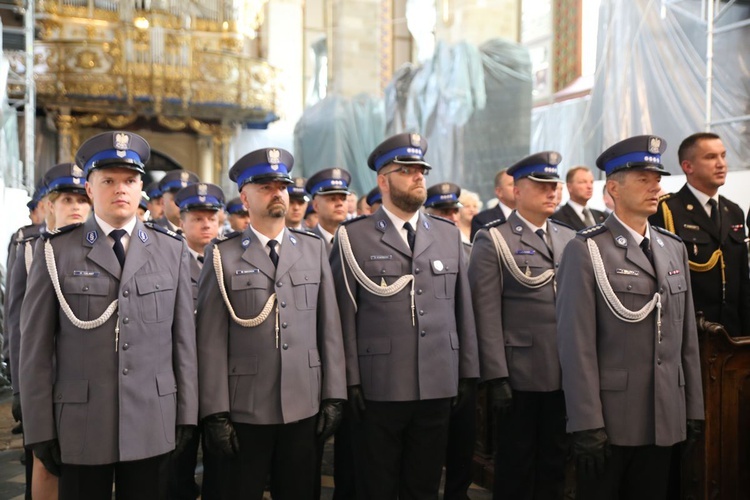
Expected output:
(272, 252)
(715, 215)
(540, 232)
(647, 250)
(411, 235)
(116, 235)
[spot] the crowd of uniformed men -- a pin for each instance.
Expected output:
(132, 343)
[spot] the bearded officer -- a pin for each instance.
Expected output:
(512, 274)
(169, 185)
(270, 345)
(408, 327)
(329, 189)
(107, 338)
(627, 337)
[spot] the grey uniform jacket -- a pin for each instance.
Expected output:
(195, 275)
(516, 325)
(329, 244)
(20, 235)
(616, 374)
(391, 358)
(104, 404)
(242, 370)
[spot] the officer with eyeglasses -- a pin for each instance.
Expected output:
(409, 334)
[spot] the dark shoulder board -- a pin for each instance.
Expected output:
(156, 227)
(561, 223)
(48, 235)
(28, 238)
(494, 223)
(593, 231)
(225, 237)
(665, 197)
(364, 216)
(665, 232)
(437, 217)
(305, 232)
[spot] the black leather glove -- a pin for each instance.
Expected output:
(182, 436)
(501, 396)
(221, 439)
(48, 452)
(329, 418)
(591, 448)
(16, 408)
(356, 401)
(694, 436)
(465, 388)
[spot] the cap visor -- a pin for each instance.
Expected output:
(543, 178)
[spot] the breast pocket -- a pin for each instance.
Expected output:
(87, 295)
(444, 275)
(632, 291)
(698, 243)
(385, 272)
(249, 293)
(677, 288)
(305, 287)
(155, 296)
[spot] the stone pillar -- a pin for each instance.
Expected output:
(65, 147)
(283, 30)
(468, 20)
(358, 35)
(206, 158)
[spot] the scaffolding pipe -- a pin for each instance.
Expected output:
(709, 61)
(29, 109)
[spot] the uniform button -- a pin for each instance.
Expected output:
(421, 312)
(658, 361)
(125, 321)
(158, 287)
(419, 292)
(249, 282)
(283, 325)
(661, 290)
(422, 333)
(447, 267)
(125, 293)
(125, 346)
(285, 346)
(368, 349)
(679, 287)
(59, 396)
(630, 287)
(283, 304)
(417, 271)
(306, 278)
(124, 371)
(382, 271)
(86, 288)
(279, 284)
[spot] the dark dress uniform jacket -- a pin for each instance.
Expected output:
(485, 217)
(516, 325)
(702, 238)
(390, 358)
(616, 374)
(568, 215)
(242, 371)
(104, 405)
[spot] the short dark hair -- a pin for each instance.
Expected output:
(684, 151)
(572, 172)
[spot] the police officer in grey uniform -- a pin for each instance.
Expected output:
(329, 189)
(512, 274)
(173, 181)
(271, 354)
(107, 338)
(298, 201)
(374, 199)
(408, 327)
(627, 337)
(154, 205)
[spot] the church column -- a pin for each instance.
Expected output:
(206, 158)
(64, 123)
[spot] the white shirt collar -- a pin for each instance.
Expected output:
(194, 253)
(108, 228)
(326, 235)
(398, 222)
(505, 209)
(703, 198)
(265, 239)
(577, 207)
(637, 237)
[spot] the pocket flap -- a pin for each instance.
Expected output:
(628, 284)
(248, 281)
(314, 357)
(378, 345)
(519, 338)
(738, 236)
(86, 285)
(247, 365)
(304, 277)
(454, 340)
(677, 283)
(444, 266)
(154, 282)
(382, 268)
(694, 236)
(613, 380)
(71, 391)
(166, 384)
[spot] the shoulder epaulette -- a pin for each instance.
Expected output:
(28, 238)
(304, 231)
(665, 197)
(561, 223)
(437, 217)
(21, 232)
(156, 227)
(495, 223)
(225, 237)
(593, 230)
(47, 235)
(364, 216)
(668, 233)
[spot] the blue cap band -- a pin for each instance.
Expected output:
(332, 183)
(207, 200)
(527, 170)
(69, 182)
(377, 197)
(176, 184)
(441, 198)
(154, 193)
(390, 155)
(260, 169)
(234, 208)
(112, 154)
(637, 157)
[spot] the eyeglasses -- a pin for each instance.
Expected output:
(410, 170)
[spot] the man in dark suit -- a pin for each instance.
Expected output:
(408, 328)
(580, 184)
(627, 337)
(506, 203)
(713, 230)
(108, 356)
(271, 355)
(329, 189)
(512, 273)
